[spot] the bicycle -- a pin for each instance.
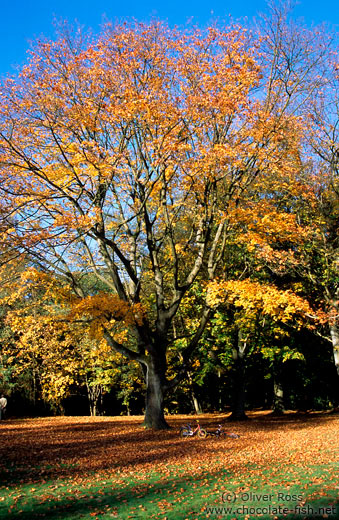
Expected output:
(187, 431)
(219, 431)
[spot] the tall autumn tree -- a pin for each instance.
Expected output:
(122, 158)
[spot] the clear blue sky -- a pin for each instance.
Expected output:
(22, 21)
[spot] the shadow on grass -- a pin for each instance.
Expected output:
(144, 498)
(175, 497)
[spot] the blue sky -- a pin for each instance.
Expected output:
(22, 21)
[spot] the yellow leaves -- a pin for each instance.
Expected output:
(56, 386)
(32, 282)
(59, 336)
(46, 346)
(255, 298)
(58, 173)
(59, 352)
(121, 337)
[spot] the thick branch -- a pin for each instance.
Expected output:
(130, 354)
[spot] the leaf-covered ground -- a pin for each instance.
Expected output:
(110, 467)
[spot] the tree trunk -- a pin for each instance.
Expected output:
(334, 331)
(238, 408)
(93, 392)
(154, 414)
(219, 392)
(195, 401)
(196, 404)
(278, 396)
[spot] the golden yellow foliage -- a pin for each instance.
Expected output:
(256, 298)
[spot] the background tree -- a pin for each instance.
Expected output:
(321, 257)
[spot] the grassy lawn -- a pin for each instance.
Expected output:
(72, 468)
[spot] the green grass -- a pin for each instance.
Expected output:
(177, 495)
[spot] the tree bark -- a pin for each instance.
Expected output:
(238, 409)
(278, 396)
(334, 331)
(196, 404)
(93, 393)
(195, 400)
(154, 413)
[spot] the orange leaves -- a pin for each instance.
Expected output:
(219, 70)
(106, 307)
(44, 294)
(265, 226)
(148, 89)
